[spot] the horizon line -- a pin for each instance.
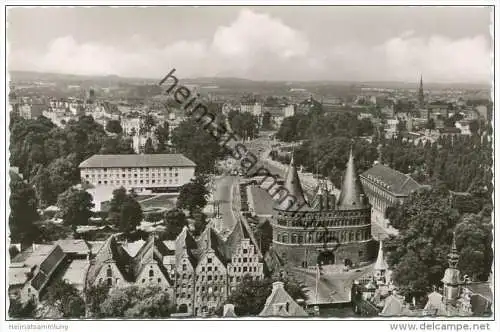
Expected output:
(416, 82)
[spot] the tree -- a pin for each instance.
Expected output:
(131, 215)
(264, 236)
(417, 255)
(266, 121)
(17, 309)
(162, 134)
(190, 139)
(148, 146)
(117, 145)
(250, 295)
(114, 126)
(193, 195)
(23, 210)
(137, 302)
(43, 187)
(474, 240)
(124, 211)
(66, 299)
(94, 297)
(200, 222)
(75, 207)
(175, 221)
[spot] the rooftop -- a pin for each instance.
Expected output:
(396, 182)
(136, 160)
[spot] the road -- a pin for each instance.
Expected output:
(332, 288)
(223, 189)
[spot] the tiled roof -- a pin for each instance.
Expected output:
(281, 304)
(395, 306)
(394, 181)
(209, 239)
(47, 267)
(233, 241)
(152, 251)
(185, 243)
(110, 252)
(138, 160)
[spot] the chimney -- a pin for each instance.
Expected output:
(277, 285)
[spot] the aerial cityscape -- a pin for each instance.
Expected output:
(251, 165)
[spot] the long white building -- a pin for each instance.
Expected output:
(146, 172)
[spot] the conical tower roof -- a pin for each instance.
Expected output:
(380, 264)
(295, 196)
(351, 191)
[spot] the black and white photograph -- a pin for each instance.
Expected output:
(250, 162)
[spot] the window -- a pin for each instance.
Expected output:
(215, 268)
(110, 282)
(209, 278)
(109, 272)
(245, 251)
(143, 280)
(151, 273)
(244, 259)
(209, 269)
(244, 269)
(184, 267)
(159, 280)
(202, 269)
(209, 260)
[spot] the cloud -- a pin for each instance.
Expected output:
(259, 46)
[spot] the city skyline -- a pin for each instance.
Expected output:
(399, 45)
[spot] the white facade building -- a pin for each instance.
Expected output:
(153, 172)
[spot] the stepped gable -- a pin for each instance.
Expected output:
(110, 252)
(351, 191)
(295, 197)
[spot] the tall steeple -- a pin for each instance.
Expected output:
(451, 279)
(351, 192)
(295, 196)
(421, 101)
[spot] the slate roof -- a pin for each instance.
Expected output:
(137, 160)
(72, 246)
(396, 182)
(295, 196)
(351, 190)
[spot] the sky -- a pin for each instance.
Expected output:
(444, 44)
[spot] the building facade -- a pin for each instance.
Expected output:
(198, 273)
(386, 187)
(326, 231)
(156, 172)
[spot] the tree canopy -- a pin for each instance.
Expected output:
(137, 302)
(114, 126)
(193, 195)
(75, 207)
(124, 210)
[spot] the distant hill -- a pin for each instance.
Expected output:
(232, 82)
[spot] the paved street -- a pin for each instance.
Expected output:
(332, 288)
(223, 189)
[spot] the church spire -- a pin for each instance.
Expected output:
(453, 256)
(295, 196)
(421, 93)
(351, 191)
